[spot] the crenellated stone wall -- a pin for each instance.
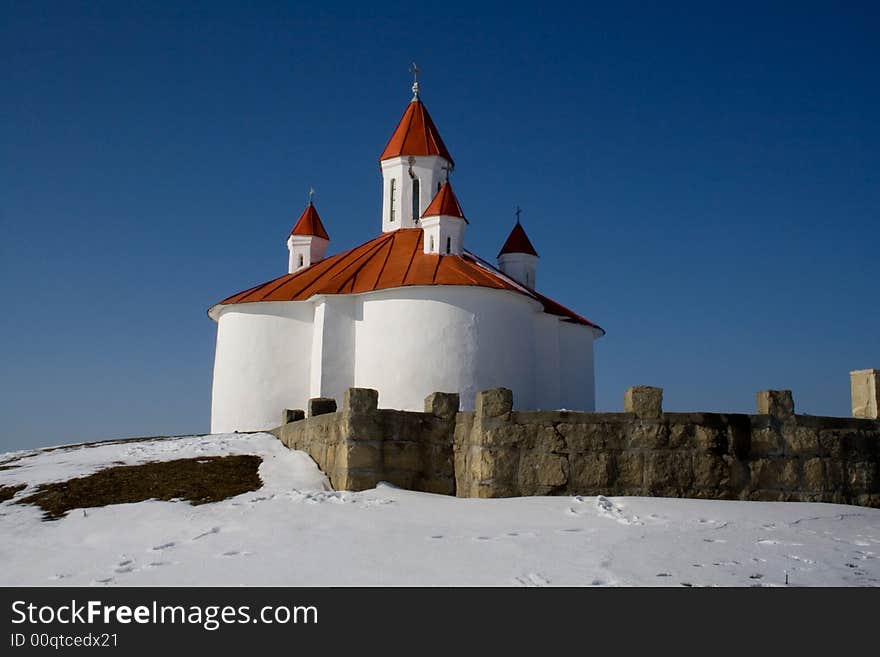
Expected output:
(775, 455)
(497, 451)
(361, 444)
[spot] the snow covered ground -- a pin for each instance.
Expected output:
(296, 531)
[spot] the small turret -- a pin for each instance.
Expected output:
(518, 258)
(443, 223)
(308, 240)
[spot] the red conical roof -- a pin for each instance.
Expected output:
(416, 134)
(518, 242)
(392, 260)
(445, 203)
(309, 223)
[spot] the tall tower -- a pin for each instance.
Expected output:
(415, 164)
(308, 240)
(518, 258)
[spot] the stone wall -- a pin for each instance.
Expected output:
(496, 451)
(361, 445)
(775, 455)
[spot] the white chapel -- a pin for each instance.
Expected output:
(408, 313)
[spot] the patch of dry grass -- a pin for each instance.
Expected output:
(198, 480)
(7, 492)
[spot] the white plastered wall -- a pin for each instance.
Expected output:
(261, 363)
(428, 169)
(405, 342)
(414, 341)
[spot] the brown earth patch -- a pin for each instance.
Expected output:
(7, 492)
(199, 480)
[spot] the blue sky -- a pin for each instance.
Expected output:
(702, 181)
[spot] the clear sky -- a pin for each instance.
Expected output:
(700, 181)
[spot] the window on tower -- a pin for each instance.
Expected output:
(393, 197)
(299, 260)
(448, 245)
(431, 248)
(415, 200)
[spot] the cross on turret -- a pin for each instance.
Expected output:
(415, 87)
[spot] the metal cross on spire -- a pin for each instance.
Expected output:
(311, 194)
(415, 88)
(517, 213)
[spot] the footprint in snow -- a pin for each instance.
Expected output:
(165, 546)
(608, 509)
(532, 579)
(213, 530)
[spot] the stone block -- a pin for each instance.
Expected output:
(648, 435)
(710, 471)
(590, 472)
(289, 415)
(865, 390)
(505, 435)
(494, 402)
(831, 442)
(592, 437)
(800, 440)
(681, 436)
(861, 477)
(766, 474)
(739, 435)
(766, 442)
(321, 406)
(545, 439)
(500, 464)
(712, 440)
(360, 400)
(815, 480)
(776, 403)
(436, 485)
(402, 455)
(630, 471)
(539, 472)
(668, 470)
(644, 401)
(442, 404)
(359, 455)
(872, 501)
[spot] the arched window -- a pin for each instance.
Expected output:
(415, 200)
(431, 248)
(393, 197)
(448, 245)
(299, 260)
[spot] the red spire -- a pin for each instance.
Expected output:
(518, 242)
(309, 223)
(416, 134)
(445, 203)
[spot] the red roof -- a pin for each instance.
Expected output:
(416, 134)
(309, 223)
(518, 242)
(394, 259)
(445, 203)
